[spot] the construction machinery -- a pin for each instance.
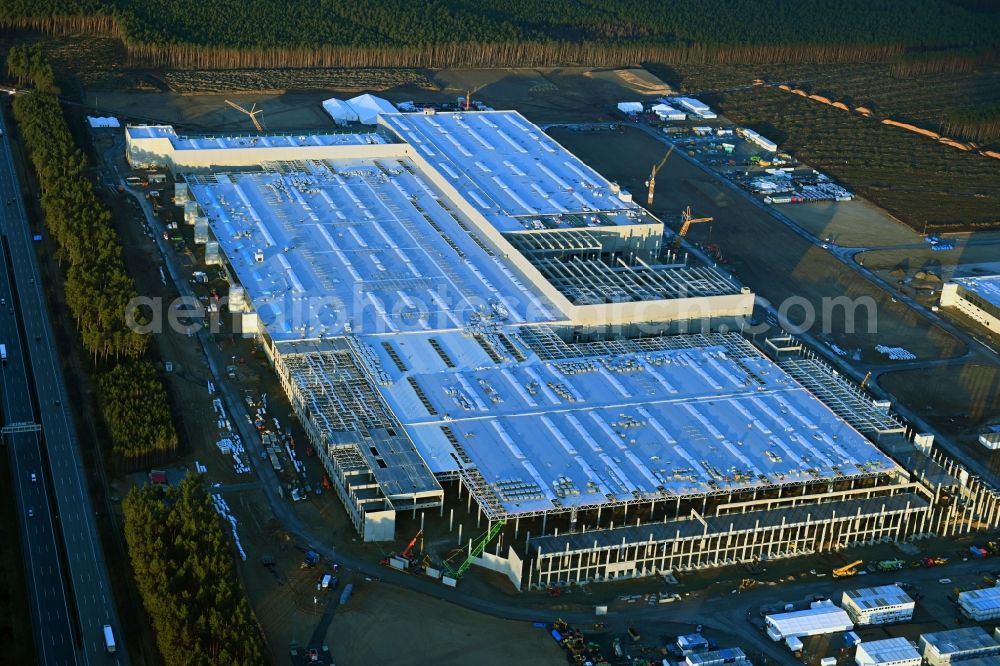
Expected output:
(406, 554)
(864, 382)
(475, 551)
(890, 565)
(651, 183)
(935, 561)
(848, 570)
(311, 559)
(253, 113)
(747, 583)
(686, 221)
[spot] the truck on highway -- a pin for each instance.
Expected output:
(3, 353)
(109, 639)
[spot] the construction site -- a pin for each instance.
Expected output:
(461, 312)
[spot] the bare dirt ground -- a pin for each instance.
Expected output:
(541, 95)
(855, 223)
(958, 399)
(381, 625)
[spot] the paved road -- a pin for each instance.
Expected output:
(90, 589)
(50, 617)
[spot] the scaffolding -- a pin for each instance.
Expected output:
(845, 398)
(593, 281)
(549, 346)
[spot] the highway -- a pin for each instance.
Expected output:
(50, 617)
(89, 592)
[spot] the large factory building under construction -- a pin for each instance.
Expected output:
(458, 307)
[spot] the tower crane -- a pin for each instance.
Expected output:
(651, 183)
(686, 221)
(253, 113)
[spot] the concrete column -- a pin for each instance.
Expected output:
(451, 519)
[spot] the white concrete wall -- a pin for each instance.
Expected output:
(160, 152)
(380, 525)
(509, 566)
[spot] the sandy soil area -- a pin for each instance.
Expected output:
(855, 223)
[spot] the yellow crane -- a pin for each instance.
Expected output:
(651, 183)
(864, 382)
(848, 570)
(253, 112)
(686, 221)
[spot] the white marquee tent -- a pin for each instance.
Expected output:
(368, 107)
(630, 108)
(340, 111)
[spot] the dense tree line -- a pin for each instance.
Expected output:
(136, 408)
(28, 65)
(97, 286)
(338, 33)
(977, 124)
(183, 564)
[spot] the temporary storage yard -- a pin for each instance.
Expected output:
(457, 306)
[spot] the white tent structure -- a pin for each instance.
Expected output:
(630, 108)
(667, 112)
(368, 107)
(340, 111)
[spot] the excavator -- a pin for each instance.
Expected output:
(407, 553)
(848, 570)
(686, 221)
(651, 183)
(864, 382)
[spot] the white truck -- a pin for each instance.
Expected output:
(109, 639)
(3, 353)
